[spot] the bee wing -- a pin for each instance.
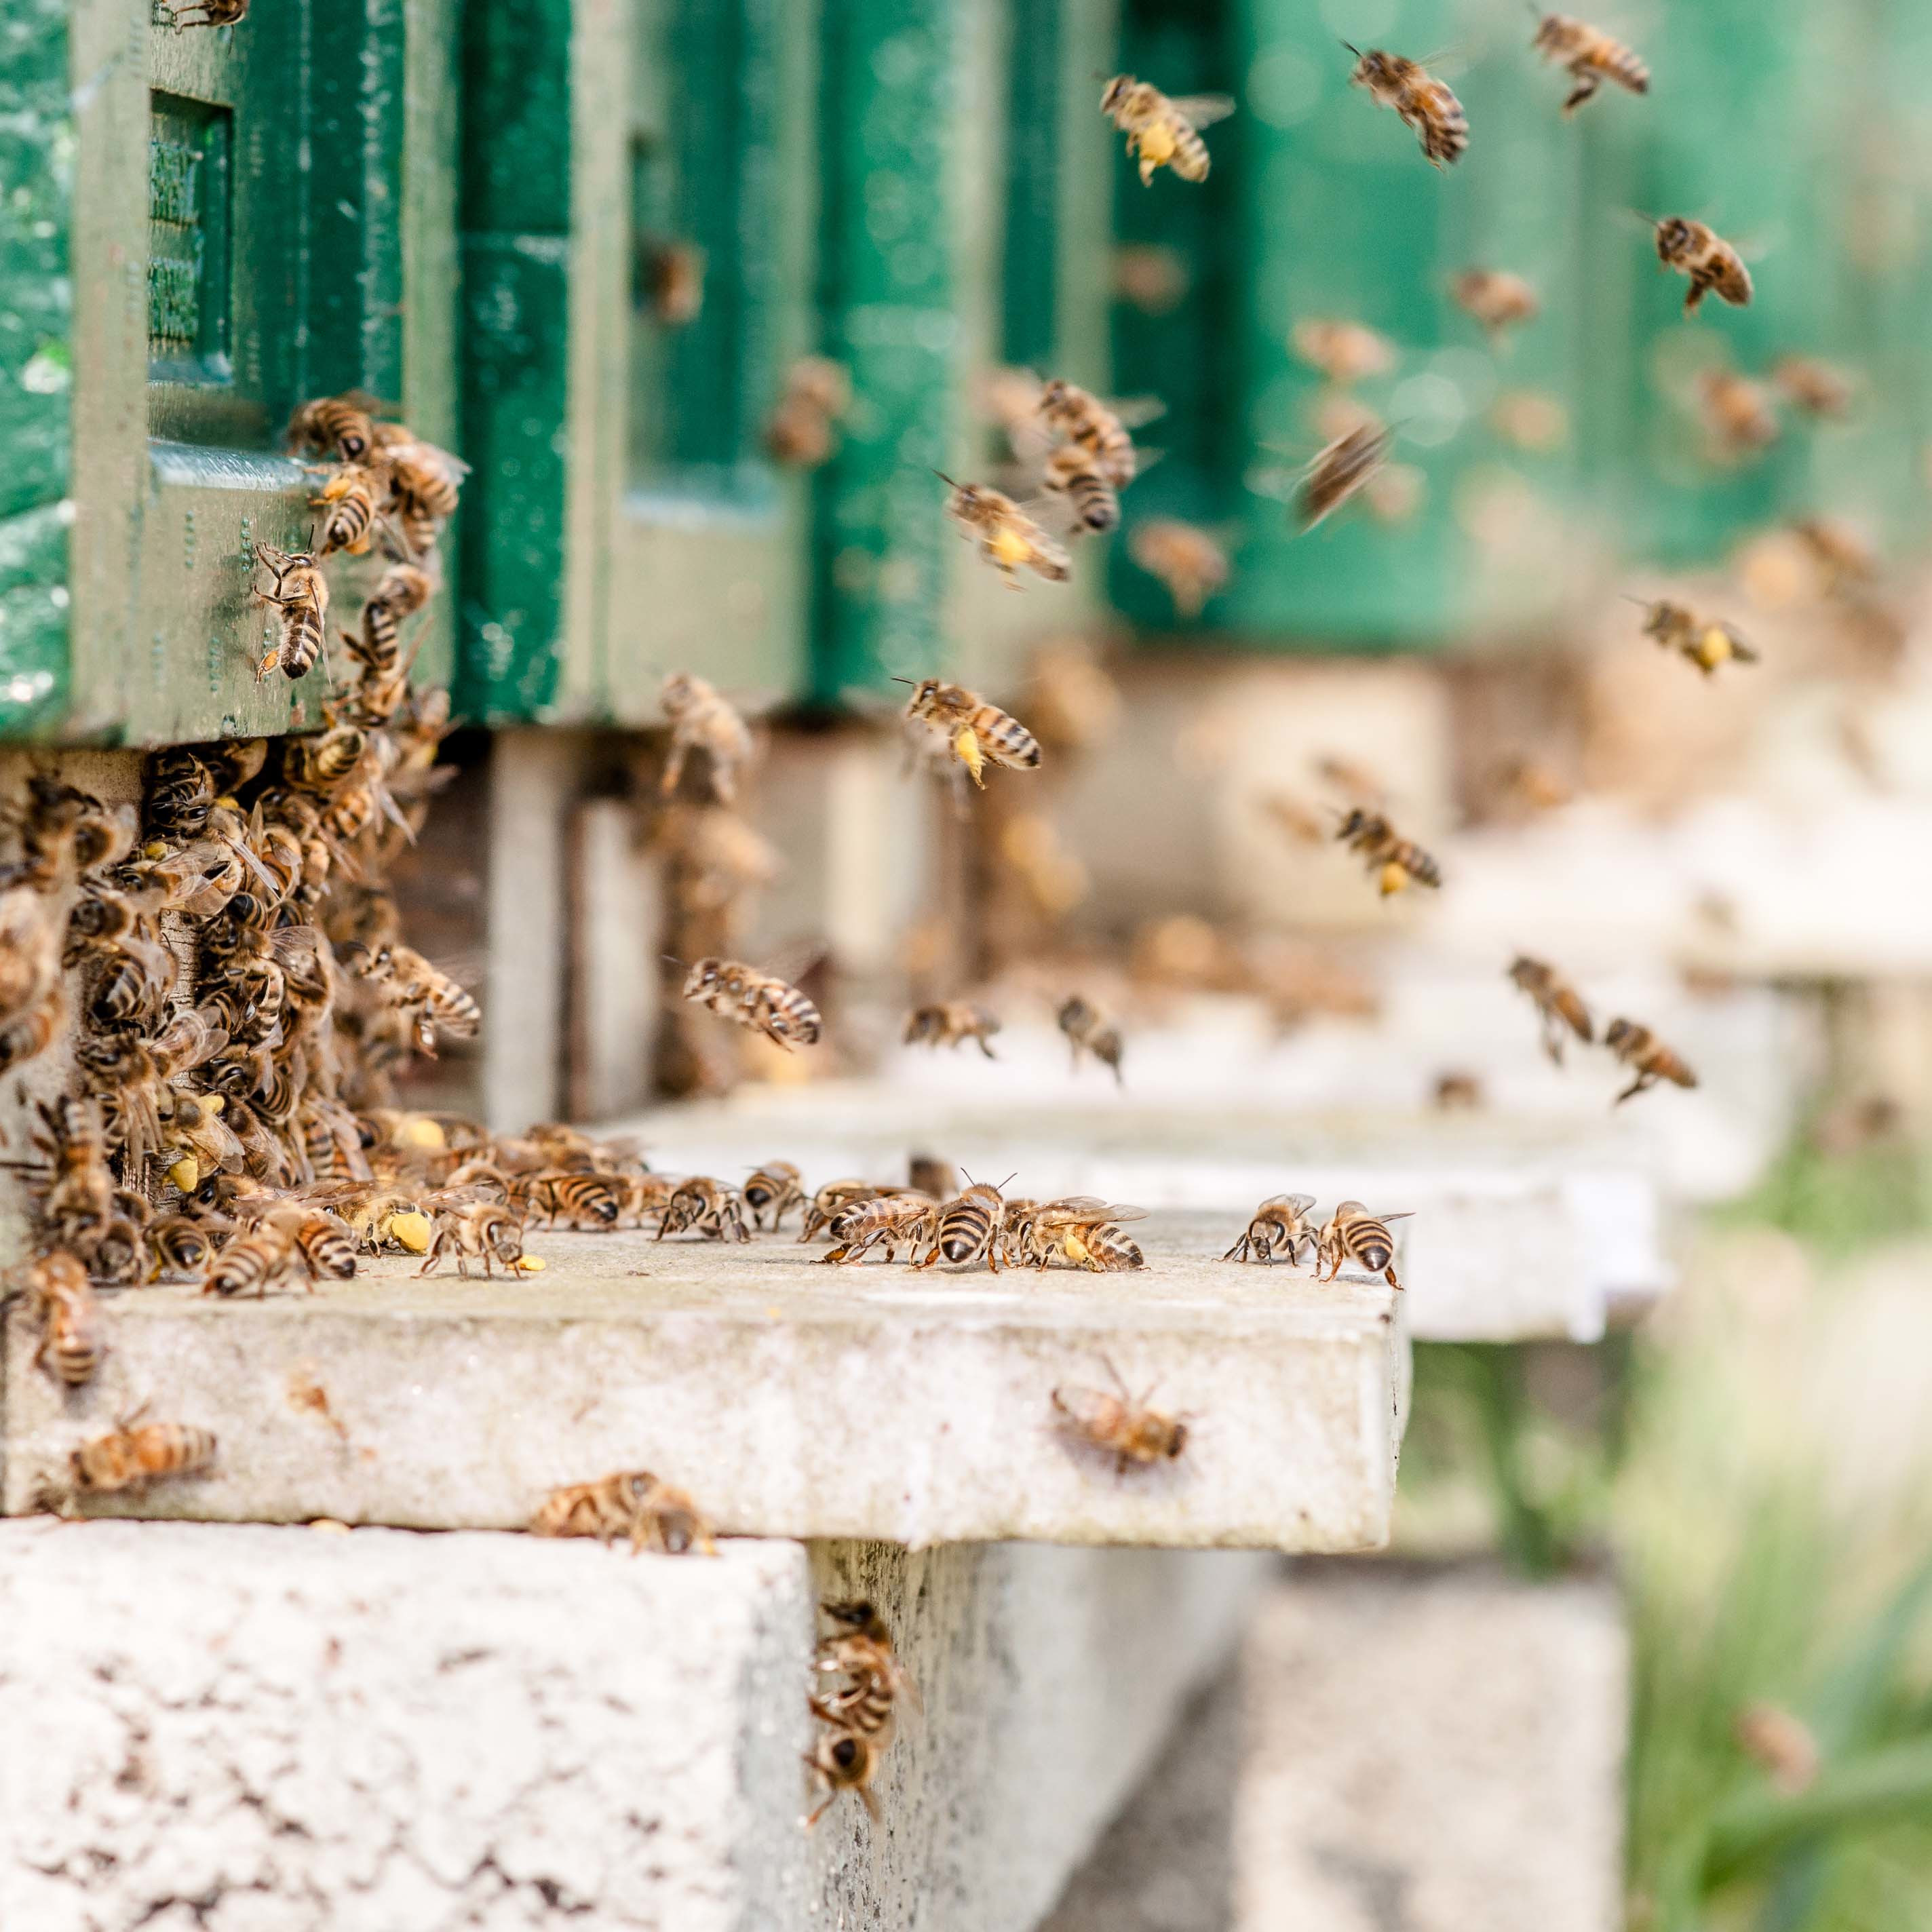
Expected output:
(1073, 1207)
(1119, 1211)
(794, 959)
(1296, 1203)
(1743, 653)
(1051, 516)
(1272, 480)
(1131, 412)
(1406, 1214)
(1202, 110)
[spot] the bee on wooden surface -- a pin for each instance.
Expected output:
(875, 1682)
(1714, 266)
(977, 734)
(1339, 471)
(179, 794)
(1394, 862)
(205, 13)
(135, 1454)
(1191, 563)
(70, 1346)
(193, 1132)
(1498, 301)
(968, 1229)
(1345, 353)
(845, 1761)
(831, 1200)
(336, 426)
(1647, 1056)
(952, 1023)
(1121, 1424)
(1282, 1222)
(298, 597)
(1457, 1090)
(776, 1189)
(903, 1218)
(700, 720)
(1558, 1004)
(1005, 536)
(1089, 1030)
(325, 1245)
(760, 1001)
(591, 1202)
(1737, 414)
(485, 1230)
(75, 1190)
(1706, 645)
(1814, 388)
(132, 986)
(377, 646)
(630, 1503)
(1083, 1231)
(433, 1001)
(320, 763)
(818, 392)
(709, 1207)
(179, 1247)
(1591, 56)
(1424, 104)
(349, 497)
(253, 1264)
(1163, 132)
(64, 833)
(1352, 1233)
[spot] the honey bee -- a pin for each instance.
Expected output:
(1345, 353)
(674, 282)
(977, 734)
(193, 1129)
(403, 590)
(1121, 1424)
(137, 1454)
(1498, 301)
(1457, 1090)
(434, 1003)
(701, 720)
(818, 392)
(179, 795)
(1558, 1004)
(952, 1023)
(711, 1207)
(861, 1652)
(1005, 535)
(1842, 552)
(1529, 784)
(1083, 418)
(70, 1344)
(1640, 1049)
(1591, 56)
(325, 1245)
(205, 13)
(1339, 470)
(485, 1230)
(1089, 1030)
(1738, 417)
(845, 1761)
(1352, 1233)
(583, 1201)
(1281, 1221)
(253, 1262)
(299, 599)
(75, 1190)
(337, 427)
(1083, 1231)
(30, 948)
(776, 1189)
(1714, 266)
(179, 1247)
(1395, 862)
(630, 1503)
(1785, 1746)
(1163, 132)
(968, 1229)
(1074, 472)
(32, 1032)
(424, 483)
(1815, 387)
(906, 1217)
(927, 1174)
(831, 1201)
(1706, 645)
(759, 1001)
(349, 498)
(1191, 565)
(1423, 103)
(1151, 277)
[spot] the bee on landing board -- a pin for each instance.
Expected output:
(1121, 1424)
(952, 1023)
(1647, 1056)
(1082, 1230)
(1006, 537)
(831, 1200)
(845, 1761)
(137, 1454)
(1161, 132)
(1282, 1223)
(968, 1229)
(705, 1207)
(1590, 56)
(1424, 104)
(338, 427)
(776, 1189)
(1394, 862)
(70, 1346)
(1714, 266)
(349, 498)
(1558, 1004)
(1089, 1030)
(1352, 1233)
(976, 733)
(298, 596)
(760, 1001)
(906, 1218)
(630, 1503)
(700, 720)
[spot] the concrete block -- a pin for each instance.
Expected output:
(791, 1398)
(1433, 1750)
(251, 1728)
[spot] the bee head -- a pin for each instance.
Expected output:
(1116, 92)
(1673, 237)
(677, 691)
(844, 1751)
(1618, 1032)
(703, 975)
(857, 1614)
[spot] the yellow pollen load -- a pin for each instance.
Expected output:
(1713, 647)
(418, 1130)
(186, 1174)
(411, 1231)
(227, 802)
(1010, 547)
(1157, 144)
(531, 1264)
(1393, 878)
(214, 1103)
(1076, 1250)
(966, 749)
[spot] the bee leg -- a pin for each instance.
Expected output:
(1588, 82)
(993, 1258)
(674, 769)
(813, 1817)
(986, 1047)
(1239, 1252)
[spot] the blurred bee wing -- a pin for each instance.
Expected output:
(1272, 480)
(1119, 1211)
(1075, 1207)
(241, 848)
(1132, 411)
(1202, 110)
(1054, 516)
(1298, 1203)
(1406, 1214)
(794, 959)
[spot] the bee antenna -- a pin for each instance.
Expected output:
(1642, 603)
(1013, 1176)
(946, 480)
(897, 679)
(1353, 49)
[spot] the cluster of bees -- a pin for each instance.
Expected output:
(1284, 1225)
(860, 1686)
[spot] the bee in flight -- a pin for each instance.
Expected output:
(1591, 57)
(701, 720)
(1089, 1030)
(1190, 562)
(817, 393)
(1714, 266)
(760, 1001)
(1816, 387)
(1347, 465)
(1163, 132)
(1498, 301)
(1706, 645)
(976, 733)
(1345, 353)
(1647, 1056)
(1423, 103)
(1005, 536)
(1558, 1004)
(952, 1023)
(1121, 1424)
(1738, 417)
(1396, 862)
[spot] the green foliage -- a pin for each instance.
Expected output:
(1840, 1201)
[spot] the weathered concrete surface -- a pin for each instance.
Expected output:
(1434, 1751)
(1520, 1231)
(264, 1729)
(791, 1398)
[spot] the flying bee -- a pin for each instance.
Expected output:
(1558, 1004)
(485, 1230)
(710, 1208)
(1163, 132)
(831, 1200)
(818, 392)
(253, 1263)
(1423, 102)
(1100, 428)
(1844, 554)
(1089, 1030)
(674, 276)
(632, 1503)
(1738, 418)
(299, 599)
(845, 1761)
(1497, 301)
(700, 720)
(70, 1344)
(1706, 645)
(1190, 563)
(886, 1220)
(1647, 1056)
(349, 498)
(1281, 1222)
(1084, 1232)
(337, 426)
(1345, 353)
(977, 734)
(1005, 535)
(876, 1682)
(1529, 784)
(1458, 1091)
(1338, 471)
(1783, 1744)
(1817, 388)
(132, 1456)
(1714, 266)
(1121, 1424)
(968, 1229)
(952, 1023)
(775, 1189)
(1074, 472)
(1394, 862)
(1591, 56)
(760, 1001)
(433, 1001)
(1352, 1233)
